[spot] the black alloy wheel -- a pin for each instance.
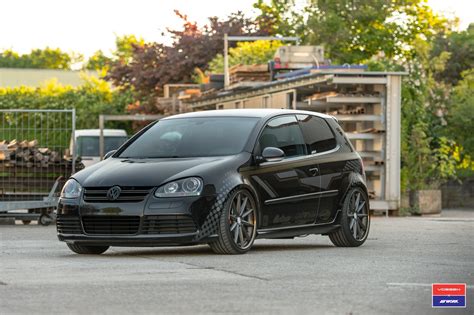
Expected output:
(237, 225)
(354, 220)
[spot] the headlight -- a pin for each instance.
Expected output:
(71, 189)
(191, 186)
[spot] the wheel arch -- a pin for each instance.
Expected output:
(352, 180)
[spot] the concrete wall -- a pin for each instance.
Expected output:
(458, 195)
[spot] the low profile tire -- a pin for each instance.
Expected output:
(237, 224)
(354, 220)
(87, 250)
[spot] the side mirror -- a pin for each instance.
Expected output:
(272, 154)
(109, 154)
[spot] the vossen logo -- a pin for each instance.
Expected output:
(448, 295)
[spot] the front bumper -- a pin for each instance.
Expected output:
(135, 240)
(151, 222)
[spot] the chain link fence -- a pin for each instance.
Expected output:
(35, 150)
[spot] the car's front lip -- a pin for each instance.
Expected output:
(132, 240)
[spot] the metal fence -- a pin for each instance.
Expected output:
(34, 153)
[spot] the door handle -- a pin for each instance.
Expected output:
(314, 171)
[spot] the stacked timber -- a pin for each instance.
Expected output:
(249, 73)
(28, 154)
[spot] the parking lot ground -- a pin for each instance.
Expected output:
(391, 273)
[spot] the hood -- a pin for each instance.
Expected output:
(147, 172)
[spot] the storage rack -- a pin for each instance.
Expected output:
(374, 128)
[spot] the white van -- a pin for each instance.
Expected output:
(87, 143)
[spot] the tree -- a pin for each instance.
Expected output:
(154, 64)
(461, 113)
(98, 61)
(460, 46)
(355, 30)
(47, 58)
(125, 46)
(247, 53)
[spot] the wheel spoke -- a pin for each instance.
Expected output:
(239, 202)
(246, 223)
(246, 233)
(357, 201)
(352, 224)
(233, 226)
(362, 215)
(244, 204)
(361, 225)
(236, 235)
(361, 206)
(355, 229)
(246, 214)
(241, 236)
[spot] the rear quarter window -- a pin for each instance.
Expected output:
(318, 136)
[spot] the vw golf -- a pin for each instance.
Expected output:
(225, 178)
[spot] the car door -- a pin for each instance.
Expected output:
(287, 186)
(323, 147)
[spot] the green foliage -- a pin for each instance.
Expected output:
(246, 53)
(125, 47)
(91, 99)
(47, 58)
(354, 31)
(98, 61)
(460, 46)
(461, 113)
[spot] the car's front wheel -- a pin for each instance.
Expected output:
(354, 220)
(87, 250)
(237, 224)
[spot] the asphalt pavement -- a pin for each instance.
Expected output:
(391, 273)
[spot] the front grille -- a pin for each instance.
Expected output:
(127, 194)
(168, 224)
(68, 224)
(111, 224)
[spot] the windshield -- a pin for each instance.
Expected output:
(89, 145)
(192, 137)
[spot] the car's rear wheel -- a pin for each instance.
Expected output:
(354, 220)
(237, 224)
(87, 250)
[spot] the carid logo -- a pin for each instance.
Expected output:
(448, 295)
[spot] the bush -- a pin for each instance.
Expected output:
(91, 99)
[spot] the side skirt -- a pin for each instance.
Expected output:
(297, 231)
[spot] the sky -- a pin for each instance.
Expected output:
(86, 26)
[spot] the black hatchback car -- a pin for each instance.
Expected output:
(223, 178)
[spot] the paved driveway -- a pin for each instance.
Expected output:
(391, 274)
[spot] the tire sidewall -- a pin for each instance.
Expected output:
(345, 223)
(224, 220)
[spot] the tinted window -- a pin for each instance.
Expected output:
(89, 145)
(284, 133)
(192, 137)
(317, 133)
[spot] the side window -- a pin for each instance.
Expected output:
(317, 134)
(284, 133)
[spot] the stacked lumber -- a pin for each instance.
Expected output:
(246, 73)
(322, 96)
(27, 153)
(351, 111)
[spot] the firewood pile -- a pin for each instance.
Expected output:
(28, 154)
(245, 73)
